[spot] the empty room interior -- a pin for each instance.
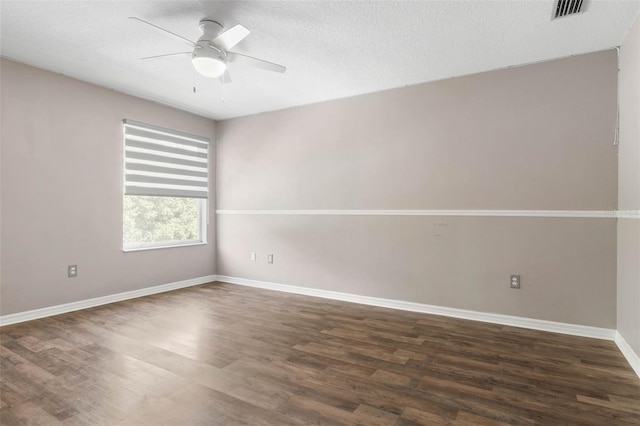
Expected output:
(321, 212)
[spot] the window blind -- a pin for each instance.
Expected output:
(164, 163)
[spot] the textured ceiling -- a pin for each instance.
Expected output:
(332, 49)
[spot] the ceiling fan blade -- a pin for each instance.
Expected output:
(192, 43)
(168, 54)
(225, 78)
(238, 58)
(231, 37)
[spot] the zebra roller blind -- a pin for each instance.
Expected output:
(164, 163)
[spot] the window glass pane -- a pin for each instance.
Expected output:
(149, 220)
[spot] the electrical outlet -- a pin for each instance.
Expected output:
(72, 271)
(253, 256)
(269, 258)
(515, 281)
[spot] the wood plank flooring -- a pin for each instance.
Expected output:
(220, 354)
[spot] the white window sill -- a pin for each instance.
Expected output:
(166, 246)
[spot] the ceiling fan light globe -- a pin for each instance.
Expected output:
(208, 66)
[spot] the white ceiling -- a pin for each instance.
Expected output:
(332, 49)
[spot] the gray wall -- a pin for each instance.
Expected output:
(61, 192)
(533, 137)
(629, 190)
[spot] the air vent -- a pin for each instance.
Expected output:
(566, 8)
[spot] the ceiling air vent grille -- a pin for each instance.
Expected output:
(567, 7)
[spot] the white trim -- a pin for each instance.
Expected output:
(602, 214)
(164, 245)
(98, 301)
(632, 358)
(535, 324)
(628, 214)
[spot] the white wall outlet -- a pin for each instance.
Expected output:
(253, 256)
(269, 258)
(72, 271)
(515, 281)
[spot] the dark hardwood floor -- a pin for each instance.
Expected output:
(220, 354)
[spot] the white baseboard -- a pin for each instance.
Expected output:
(98, 301)
(535, 324)
(632, 358)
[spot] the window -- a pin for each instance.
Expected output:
(166, 185)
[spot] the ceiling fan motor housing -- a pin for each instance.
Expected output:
(209, 60)
(210, 29)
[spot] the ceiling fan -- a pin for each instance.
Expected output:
(210, 54)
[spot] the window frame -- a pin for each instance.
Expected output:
(203, 202)
(203, 223)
